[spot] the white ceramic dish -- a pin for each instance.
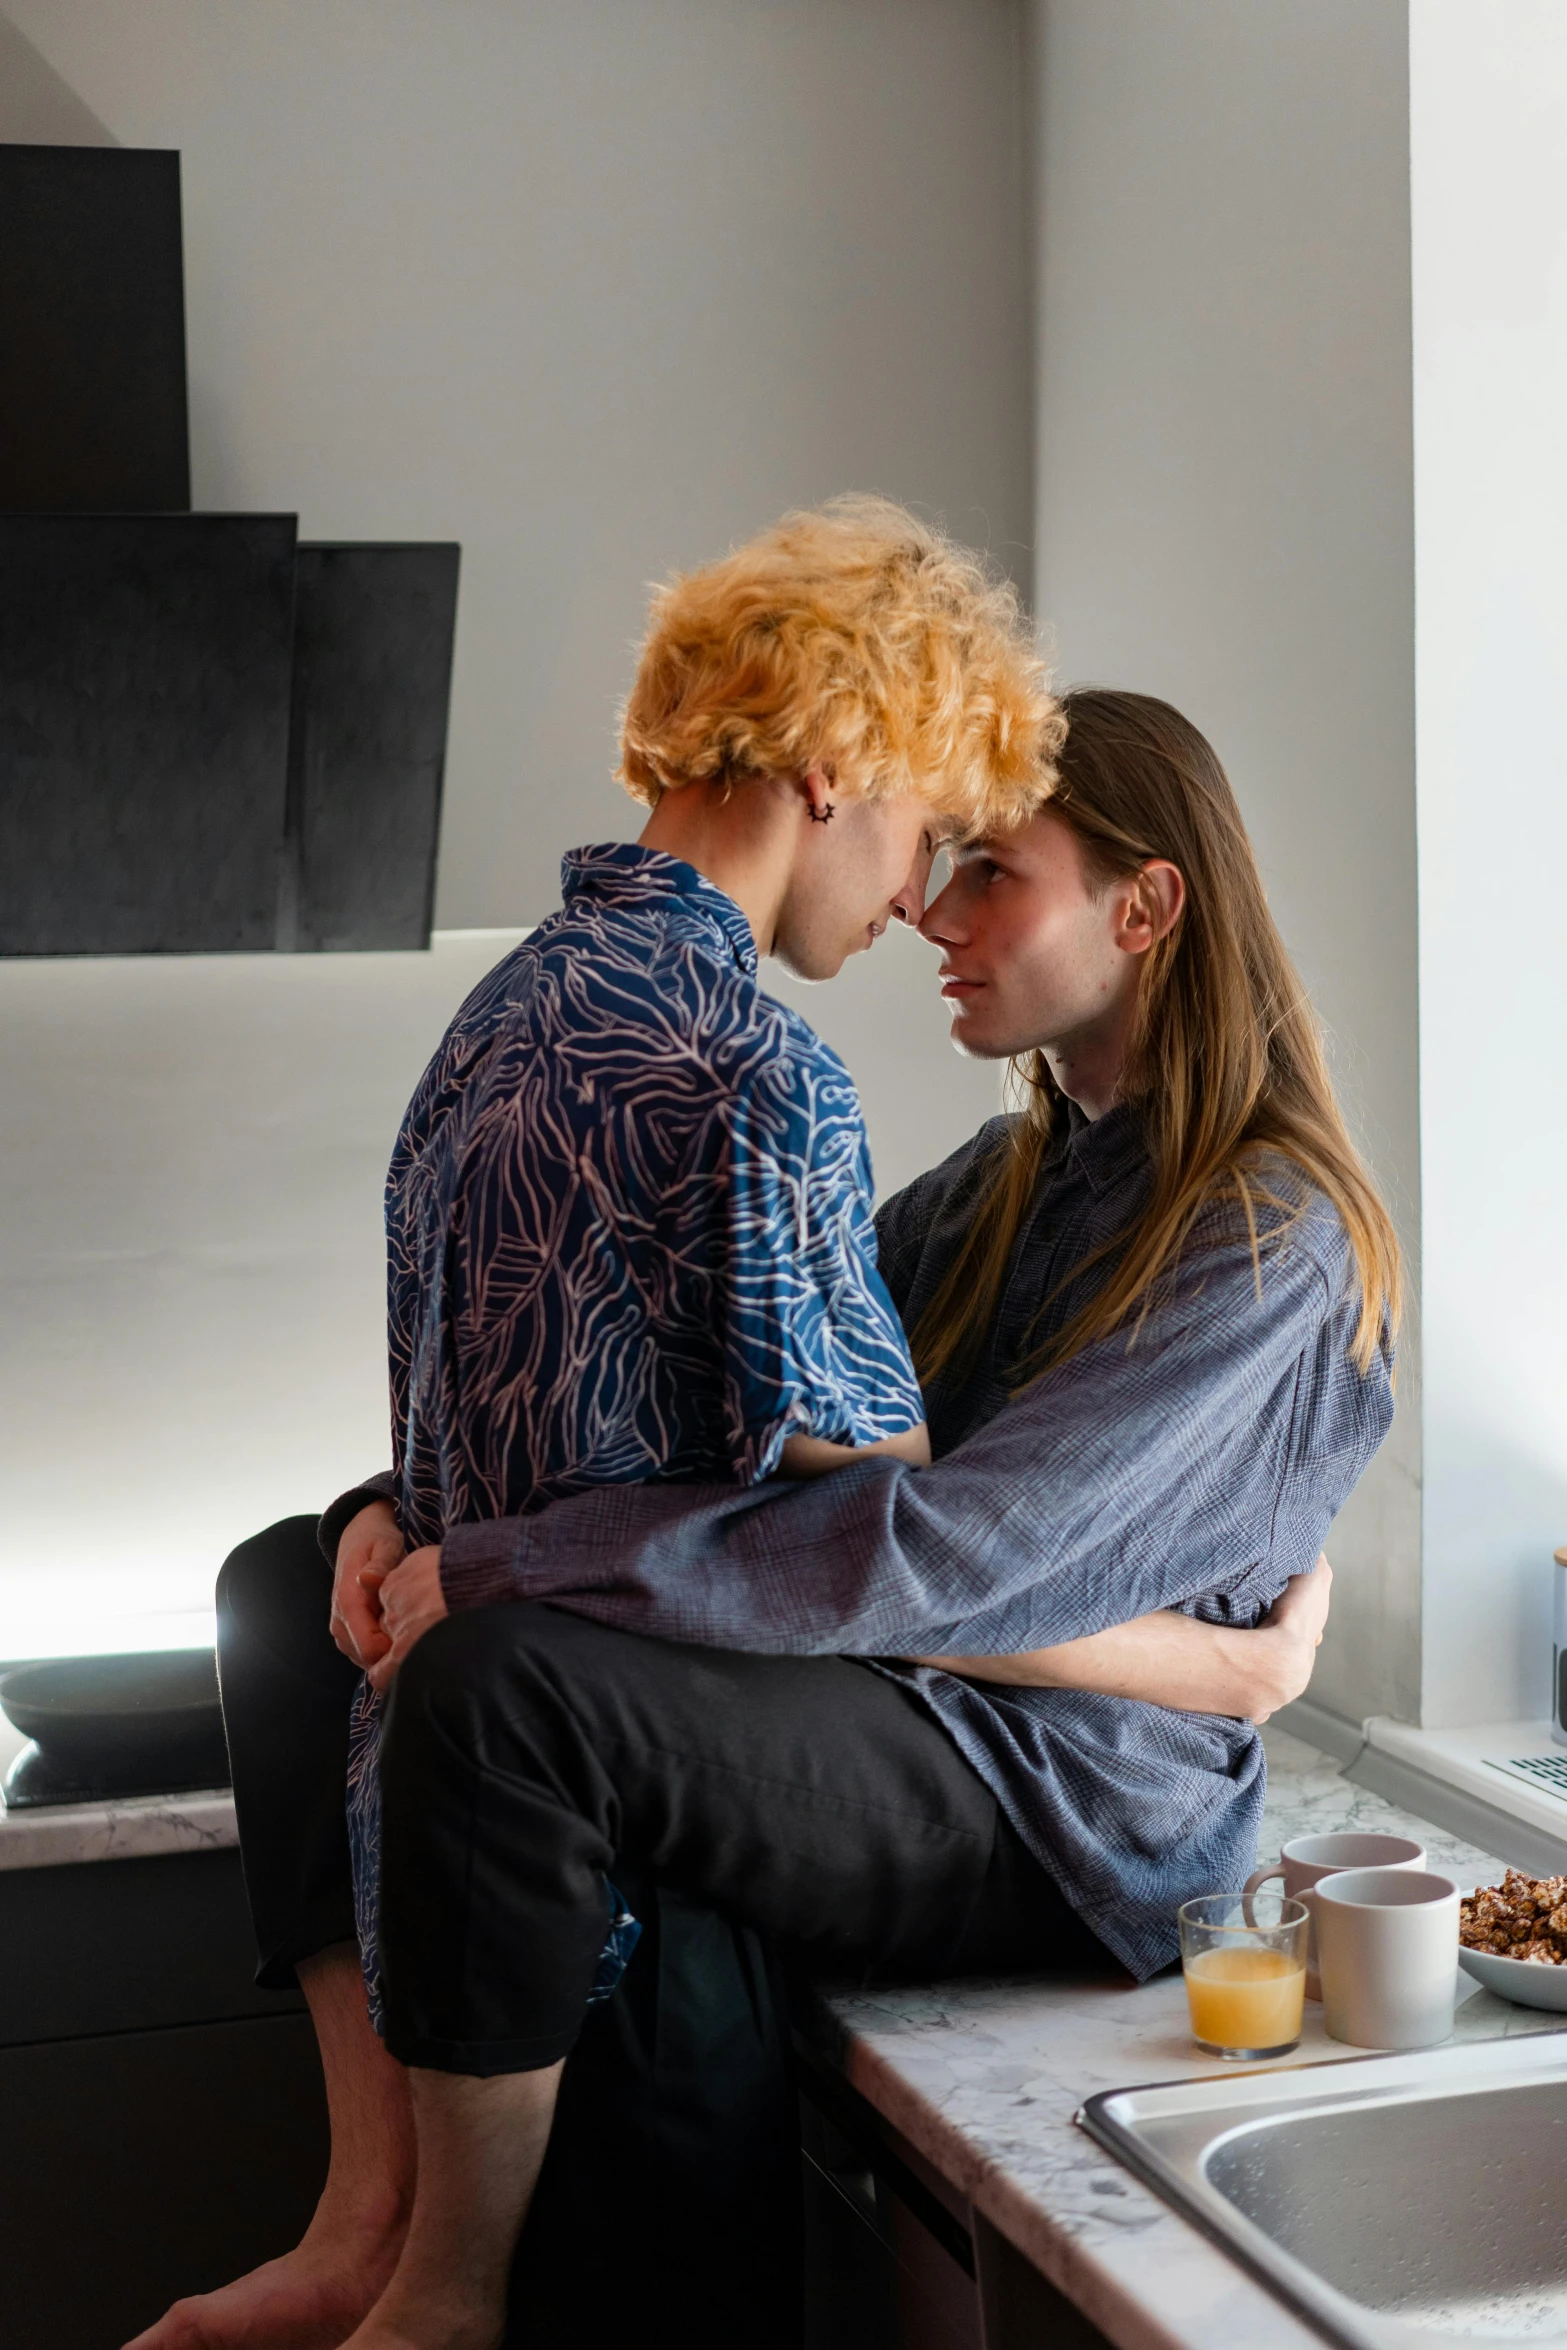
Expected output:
(1518, 1979)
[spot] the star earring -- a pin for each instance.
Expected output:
(823, 815)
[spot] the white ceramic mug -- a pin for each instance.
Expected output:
(1387, 1950)
(1306, 1860)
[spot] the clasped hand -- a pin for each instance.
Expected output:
(384, 1596)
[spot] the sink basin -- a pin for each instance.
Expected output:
(1395, 2201)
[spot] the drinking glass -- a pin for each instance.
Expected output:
(1244, 1960)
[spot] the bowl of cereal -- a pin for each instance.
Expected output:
(1512, 1938)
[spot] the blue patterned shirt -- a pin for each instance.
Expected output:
(629, 1233)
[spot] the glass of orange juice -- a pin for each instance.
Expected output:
(1245, 1968)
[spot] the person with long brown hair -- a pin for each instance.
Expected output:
(1210, 1039)
(1153, 1312)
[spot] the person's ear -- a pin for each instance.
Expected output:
(817, 784)
(1152, 906)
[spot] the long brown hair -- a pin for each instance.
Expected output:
(1225, 1064)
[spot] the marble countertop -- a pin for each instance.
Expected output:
(130, 1828)
(985, 2078)
(55, 1835)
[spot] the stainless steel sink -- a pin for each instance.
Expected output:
(1394, 2201)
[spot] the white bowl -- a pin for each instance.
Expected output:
(1522, 1980)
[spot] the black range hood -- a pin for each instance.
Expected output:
(213, 739)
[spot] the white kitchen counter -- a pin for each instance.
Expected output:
(983, 2079)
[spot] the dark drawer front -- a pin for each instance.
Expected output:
(126, 1946)
(136, 2169)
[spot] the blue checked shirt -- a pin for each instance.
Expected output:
(1196, 1463)
(629, 1238)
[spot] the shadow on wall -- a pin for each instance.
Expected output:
(38, 107)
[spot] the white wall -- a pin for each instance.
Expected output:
(1224, 518)
(191, 1268)
(1489, 154)
(594, 286)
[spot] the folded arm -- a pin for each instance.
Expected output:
(1173, 1660)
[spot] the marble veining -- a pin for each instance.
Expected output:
(54, 1835)
(985, 2078)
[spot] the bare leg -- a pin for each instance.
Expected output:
(313, 2297)
(481, 2147)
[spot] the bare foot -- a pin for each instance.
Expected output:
(311, 2299)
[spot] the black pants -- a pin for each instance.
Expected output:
(530, 1752)
(751, 1809)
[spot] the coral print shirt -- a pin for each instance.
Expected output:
(629, 1234)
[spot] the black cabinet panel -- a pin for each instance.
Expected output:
(138, 2169)
(92, 331)
(372, 672)
(144, 704)
(125, 1946)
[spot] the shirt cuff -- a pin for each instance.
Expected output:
(479, 1561)
(760, 1450)
(381, 1487)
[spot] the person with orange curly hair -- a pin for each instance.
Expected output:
(629, 1214)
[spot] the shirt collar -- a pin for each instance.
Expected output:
(621, 873)
(1106, 1148)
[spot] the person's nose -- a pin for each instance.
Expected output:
(910, 901)
(939, 922)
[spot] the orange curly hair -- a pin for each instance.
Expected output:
(853, 638)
